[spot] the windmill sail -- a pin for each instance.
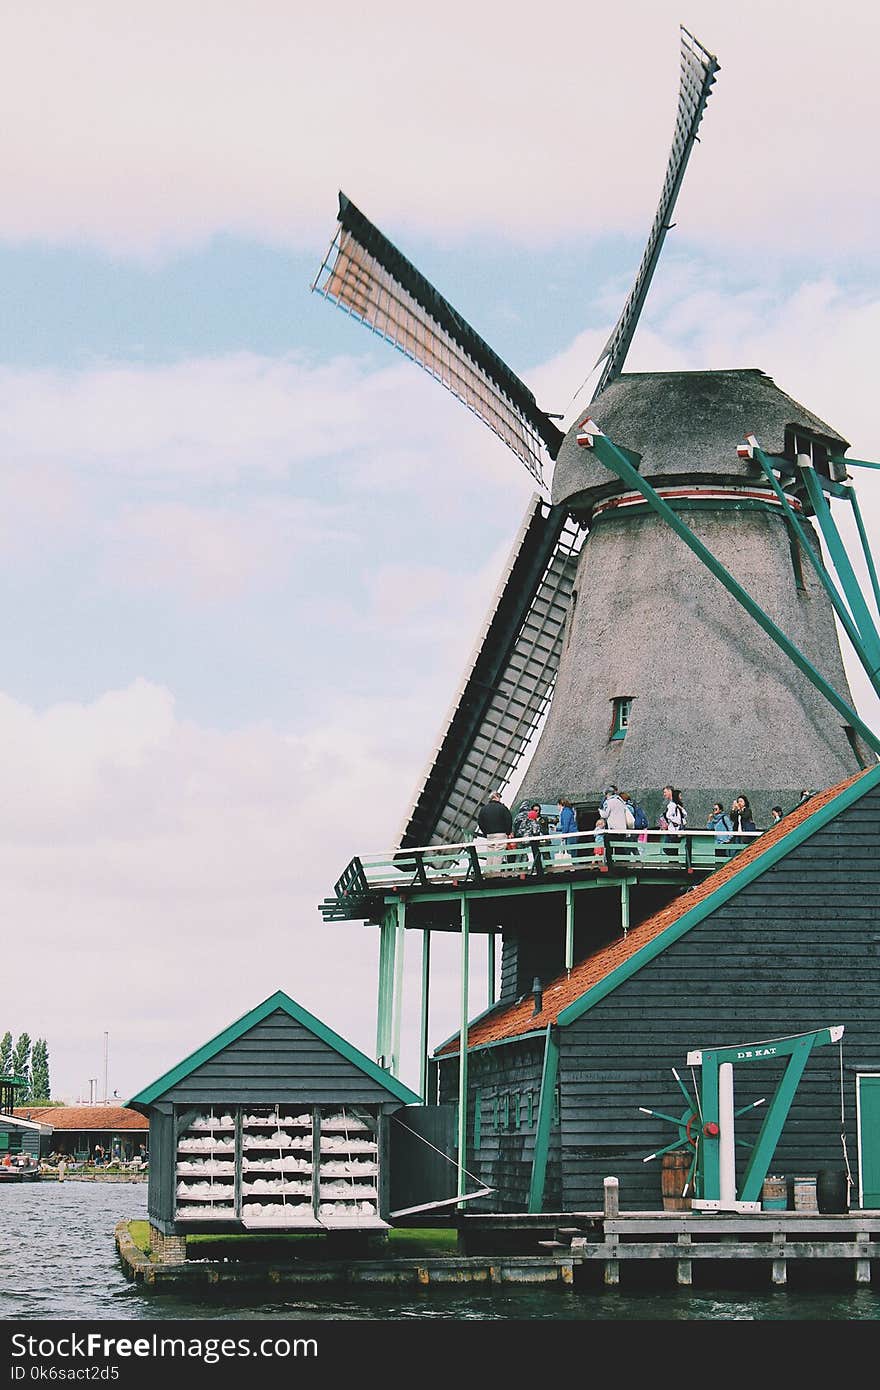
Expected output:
(369, 278)
(478, 750)
(508, 683)
(511, 676)
(698, 69)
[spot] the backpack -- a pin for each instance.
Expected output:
(639, 818)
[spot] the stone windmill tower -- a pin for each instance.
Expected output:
(647, 669)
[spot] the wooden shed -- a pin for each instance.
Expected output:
(583, 1078)
(277, 1123)
(19, 1136)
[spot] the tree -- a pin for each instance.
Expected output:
(40, 1071)
(6, 1054)
(21, 1063)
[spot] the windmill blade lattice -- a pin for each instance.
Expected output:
(698, 69)
(508, 683)
(365, 275)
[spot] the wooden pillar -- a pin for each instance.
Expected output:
(779, 1270)
(462, 1049)
(423, 1029)
(490, 969)
(386, 985)
(612, 1208)
(569, 926)
(397, 986)
(684, 1268)
(624, 906)
(863, 1265)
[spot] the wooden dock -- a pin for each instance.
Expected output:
(585, 1247)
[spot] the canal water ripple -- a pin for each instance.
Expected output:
(58, 1261)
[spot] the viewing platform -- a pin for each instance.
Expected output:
(430, 875)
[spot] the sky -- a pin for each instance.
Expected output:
(247, 548)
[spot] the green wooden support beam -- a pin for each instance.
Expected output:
(397, 985)
(709, 1115)
(462, 1051)
(866, 549)
(423, 1016)
(840, 607)
(852, 463)
(546, 1105)
(771, 1128)
(851, 590)
(387, 931)
(608, 453)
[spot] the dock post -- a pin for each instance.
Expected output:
(612, 1267)
(612, 1197)
(779, 1269)
(684, 1268)
(612, 1209)
(863, 1265)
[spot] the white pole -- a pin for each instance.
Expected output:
(726, 1152)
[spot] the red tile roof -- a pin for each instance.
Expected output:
(513, 1020)
(102, 1117)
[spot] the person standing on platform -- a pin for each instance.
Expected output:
(496, 823)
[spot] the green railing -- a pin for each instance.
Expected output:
(535, 857)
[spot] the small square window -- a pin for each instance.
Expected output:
(621, 716)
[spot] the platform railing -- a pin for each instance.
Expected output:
(533, 857)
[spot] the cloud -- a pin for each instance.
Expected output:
(164, 877)
(144, 133)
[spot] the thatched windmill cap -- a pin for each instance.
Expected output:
(686, 426)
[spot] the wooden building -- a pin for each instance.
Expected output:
(18, 1136)
(783, 940)
(277, 1123)
(86, 1132)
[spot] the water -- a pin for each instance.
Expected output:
(58, 1261)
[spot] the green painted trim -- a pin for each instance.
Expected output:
(545, 1120)
(277, 1001)
(722, 894)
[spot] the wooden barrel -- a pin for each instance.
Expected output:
(832, 1190)
(774, 1194)
(673, 1177)
(804, 1194)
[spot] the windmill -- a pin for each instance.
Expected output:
(657, 677)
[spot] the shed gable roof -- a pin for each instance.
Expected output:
(277, 1001)
(567, 997)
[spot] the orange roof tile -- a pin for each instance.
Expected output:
(102, 1117)
(513, 1020)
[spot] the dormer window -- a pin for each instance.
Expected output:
(622, 706)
